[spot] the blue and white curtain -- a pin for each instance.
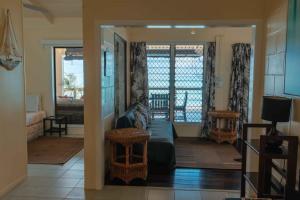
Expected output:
(139, 73)
(209, 83)
(239, 82)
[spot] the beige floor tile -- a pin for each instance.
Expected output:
(42, 192)
(78, 166)
(77, 193)
(46, 172)
(45, 167)
(73, 199)
(160, 194)
(55, 182)
(37, 181)
(80, 183)
(105, 194)
(80, 161)
(66, 182)
(29, 198)
(73, 174)
(184, 195)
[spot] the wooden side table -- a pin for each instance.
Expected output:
(56, 129)
(128, 164)
(223, 126)
(263, 181)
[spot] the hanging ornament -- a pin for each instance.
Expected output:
(10, 56)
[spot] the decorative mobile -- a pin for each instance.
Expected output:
(10, 56)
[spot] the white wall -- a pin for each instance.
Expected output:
(224, 37)
(13, 145)
(39, 67)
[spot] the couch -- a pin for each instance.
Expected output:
(161, 149)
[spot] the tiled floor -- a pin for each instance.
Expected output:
(51, 182)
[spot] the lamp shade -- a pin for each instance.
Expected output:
(276, 109)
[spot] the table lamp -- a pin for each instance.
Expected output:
(275, 109)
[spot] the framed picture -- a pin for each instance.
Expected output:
(120, 52)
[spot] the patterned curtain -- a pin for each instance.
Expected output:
(139, 73)
(239, 82)
(208, 95)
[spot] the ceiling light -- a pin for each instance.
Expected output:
(189, 26)
(158, 26)
(107, 26)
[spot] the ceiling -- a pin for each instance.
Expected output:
(57, 8)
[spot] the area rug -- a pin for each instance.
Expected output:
(53, 150)
(200, 153)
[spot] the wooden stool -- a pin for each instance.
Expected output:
(223, 126)
(128, 165)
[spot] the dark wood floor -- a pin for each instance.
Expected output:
(190, 178)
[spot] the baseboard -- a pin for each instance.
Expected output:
(188, 129)
(11, 186)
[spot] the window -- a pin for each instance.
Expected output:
(69, 83)
(175, 75)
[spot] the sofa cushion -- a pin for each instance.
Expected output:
(145, 112)
(161, 150)
(140, 121)
(161, 130)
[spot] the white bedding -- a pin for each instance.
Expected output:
(34, 117)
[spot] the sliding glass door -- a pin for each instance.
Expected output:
(158, 61)
(188, 83)
(175, 74)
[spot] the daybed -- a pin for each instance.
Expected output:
(34, 117)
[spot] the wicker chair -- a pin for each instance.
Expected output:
(159, 105)
(182, 108)
(128, 165)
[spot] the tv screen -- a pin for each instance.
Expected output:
(292, 68)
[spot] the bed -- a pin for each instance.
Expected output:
(70, 108)
(34, 117)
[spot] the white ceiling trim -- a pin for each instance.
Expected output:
(62, 43)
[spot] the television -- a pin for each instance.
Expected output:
(292, 61)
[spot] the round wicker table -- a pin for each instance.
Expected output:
(223, 126)
(126, 163)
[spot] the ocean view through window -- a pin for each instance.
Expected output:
(175, 76)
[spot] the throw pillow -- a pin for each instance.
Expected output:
(140, 121)
(145, 112)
